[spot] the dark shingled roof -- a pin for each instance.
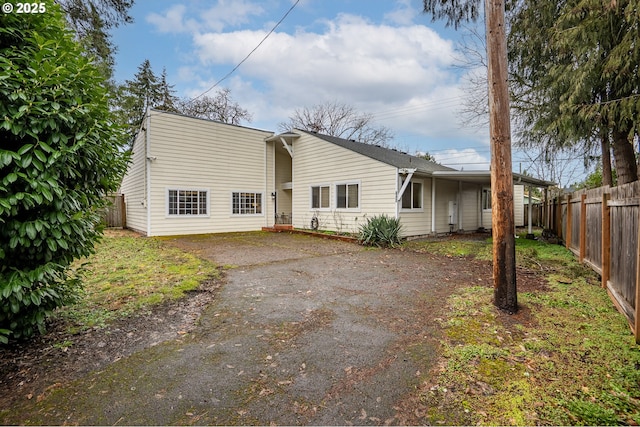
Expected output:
(384, 155)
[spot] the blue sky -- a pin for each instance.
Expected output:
(382, 57)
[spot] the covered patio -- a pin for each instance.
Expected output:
(482, 179)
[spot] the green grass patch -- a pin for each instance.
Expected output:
(129, 274)
(567, 358)
(452, 247)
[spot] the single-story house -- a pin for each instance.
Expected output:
(193, 176)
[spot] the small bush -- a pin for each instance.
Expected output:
(381, 231)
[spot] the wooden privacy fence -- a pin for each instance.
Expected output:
(600, 227)
(115, 215)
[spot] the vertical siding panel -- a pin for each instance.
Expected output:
(470, 206)
(518, 205)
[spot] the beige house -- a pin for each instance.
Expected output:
(195, 176)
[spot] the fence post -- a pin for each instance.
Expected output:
(559, 217)
(606, 239)
(583, 227)
(569, 222)
(636, 308)
(124, 211)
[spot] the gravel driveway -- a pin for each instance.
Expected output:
(303, 331)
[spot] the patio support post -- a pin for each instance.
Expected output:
(433, 205)
(530, 208)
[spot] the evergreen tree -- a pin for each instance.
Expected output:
(145, 91)
(576, 62)
(91, 21)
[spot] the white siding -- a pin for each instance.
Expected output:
(200, 154)
(518, 205)
(470, 205)
(318, 162)
(133, 187)
(446, 191)
(418, 222)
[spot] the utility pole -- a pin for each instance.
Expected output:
(504, 250)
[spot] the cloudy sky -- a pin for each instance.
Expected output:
(382, 57)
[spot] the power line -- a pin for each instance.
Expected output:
(413, 109)
(249, 54)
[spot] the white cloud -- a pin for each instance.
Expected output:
(230, 13)
(173, 20)
(225, 13)
(402, 74)
(404, 14)
(352, 58)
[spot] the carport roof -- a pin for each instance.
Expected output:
(484, 177)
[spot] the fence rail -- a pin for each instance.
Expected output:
(601, 228)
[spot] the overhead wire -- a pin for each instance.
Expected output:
(249, 54)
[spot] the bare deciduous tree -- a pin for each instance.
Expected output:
(221, 107)
(340, 120)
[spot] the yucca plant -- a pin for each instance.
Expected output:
(381, 231)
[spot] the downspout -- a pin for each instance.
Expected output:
(148, 171)
(433, 205)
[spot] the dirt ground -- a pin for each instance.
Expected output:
(299, 331)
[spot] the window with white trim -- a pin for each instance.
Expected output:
(187, 202)
(412, 196)
(348, 196)
(246, 203)
(320, 197)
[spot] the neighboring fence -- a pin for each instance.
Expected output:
(600, 226)
(115, 216)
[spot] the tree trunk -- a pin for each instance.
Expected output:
(503, 224)
(607, 175)
(625, 158)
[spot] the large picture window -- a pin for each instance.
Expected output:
(187, 202)
(320, 197)
(348, 196)
(412, 196)
(246, 203)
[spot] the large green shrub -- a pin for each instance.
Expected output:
(59, 154)
(381, 231)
